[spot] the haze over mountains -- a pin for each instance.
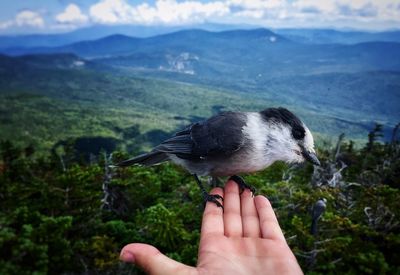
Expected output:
(100, 31)
(315, 36)
(337, 81)
(326, 36)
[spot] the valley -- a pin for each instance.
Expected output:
(104, 87)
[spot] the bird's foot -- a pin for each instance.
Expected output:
(215, 182)
(209, 197)
(213, 198)
(242, 184)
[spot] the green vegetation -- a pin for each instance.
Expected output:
(61, 214)
(43, 106)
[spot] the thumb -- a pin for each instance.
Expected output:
(151, 260)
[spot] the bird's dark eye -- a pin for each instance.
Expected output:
(298, 133)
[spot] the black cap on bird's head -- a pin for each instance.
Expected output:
(296, 142)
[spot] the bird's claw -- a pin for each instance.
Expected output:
(214, 198)
(243, 185)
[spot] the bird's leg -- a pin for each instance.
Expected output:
(216, 182)
(242, 184)
(208, 197)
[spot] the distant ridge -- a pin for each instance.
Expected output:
(122, 44)
(329, 36)
(310, 36)
(99, 31)
(52, 61)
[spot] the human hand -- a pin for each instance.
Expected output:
(244, 239)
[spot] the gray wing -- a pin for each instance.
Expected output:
(219, 135)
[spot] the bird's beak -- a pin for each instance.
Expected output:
(311, 157)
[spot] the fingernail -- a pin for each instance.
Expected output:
(127, 257)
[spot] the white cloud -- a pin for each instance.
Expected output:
(389, 10)
(111, 11)
(71, 15)
(257, 9)
(269, 13)
(172, 12)
(6, 24)
(256, 14)
(163, 11)
(353, 10)
(258, 4)
(24, 18)
(272, 13)
(325, 7)
(29, 18)
(316, 13)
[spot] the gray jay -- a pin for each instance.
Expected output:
(231, 143)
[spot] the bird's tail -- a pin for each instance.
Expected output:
(147, 159)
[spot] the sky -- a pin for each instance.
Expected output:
(52, 16)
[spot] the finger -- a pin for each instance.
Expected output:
(232, 215)
(250, 220)
(213, 222)
(151, 260)
(268, 222)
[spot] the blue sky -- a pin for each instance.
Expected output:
(49, 16)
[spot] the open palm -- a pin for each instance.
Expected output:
(244, 239)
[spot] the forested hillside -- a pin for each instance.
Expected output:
(322, 82)
(65, 214)
(47, 99)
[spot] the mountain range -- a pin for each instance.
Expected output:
(100, 31)
(270, 52)
(329, 36)
(334, 84)
(313, 36)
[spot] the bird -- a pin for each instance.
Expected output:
(231, 143)
(317, 211)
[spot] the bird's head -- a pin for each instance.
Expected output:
(289, 139)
